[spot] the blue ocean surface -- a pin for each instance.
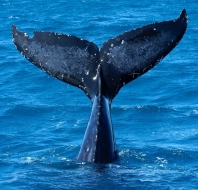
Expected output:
(43, 120)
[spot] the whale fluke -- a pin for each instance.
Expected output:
(67, 58)
(101, 73)
(133, 53)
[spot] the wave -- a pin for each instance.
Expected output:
(156, 156)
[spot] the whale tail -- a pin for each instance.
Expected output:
(101, 73)
(122, 59)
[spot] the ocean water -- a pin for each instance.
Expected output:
(43, 120)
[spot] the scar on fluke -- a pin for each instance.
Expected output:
(101, 73)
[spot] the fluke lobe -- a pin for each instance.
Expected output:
(101, 73)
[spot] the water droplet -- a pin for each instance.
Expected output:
(123, 83)
(122, 42)
(154, 28)
(111, 45)
(82, 79)
(86, 72)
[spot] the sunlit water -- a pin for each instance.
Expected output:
(43, 120)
